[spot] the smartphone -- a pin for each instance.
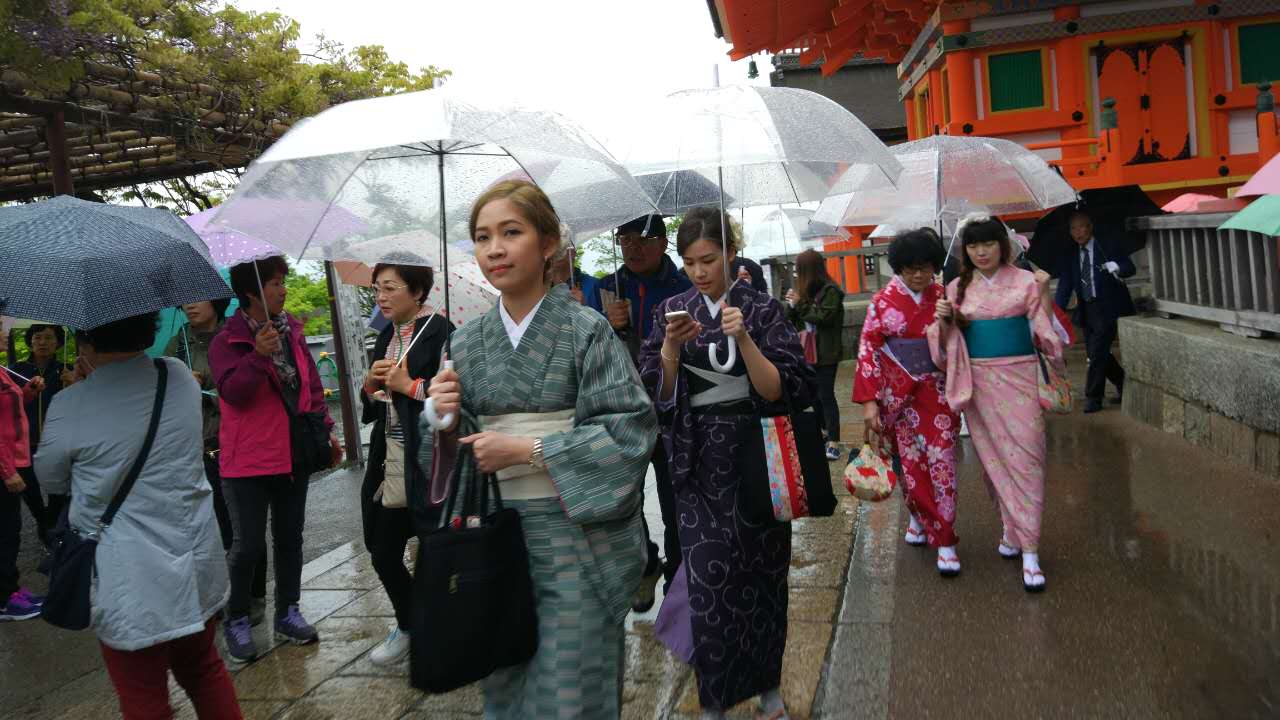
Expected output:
(677, 315)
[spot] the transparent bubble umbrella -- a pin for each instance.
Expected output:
(945, 178)
(745, 146)
(417, 161)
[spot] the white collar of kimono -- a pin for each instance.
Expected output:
(516, 330)
(990, 280)
(902, 285)
(713, 306)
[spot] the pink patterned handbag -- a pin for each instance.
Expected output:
(786, 479)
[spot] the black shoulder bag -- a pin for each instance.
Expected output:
(72, 568)
(308, 440)
(473, 602)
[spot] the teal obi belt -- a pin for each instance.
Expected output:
(1005, 337)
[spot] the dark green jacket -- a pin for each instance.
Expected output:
(826, 312)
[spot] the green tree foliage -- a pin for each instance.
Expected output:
(308, 300)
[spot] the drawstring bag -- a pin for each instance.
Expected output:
(1055, 389)
(870, 475)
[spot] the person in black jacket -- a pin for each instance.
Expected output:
(392, 397)
(1094, 275)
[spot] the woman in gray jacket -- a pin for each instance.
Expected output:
(161, 574)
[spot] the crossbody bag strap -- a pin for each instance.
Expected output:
(162, 383)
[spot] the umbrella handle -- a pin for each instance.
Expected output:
(713, 356)
(437, 423)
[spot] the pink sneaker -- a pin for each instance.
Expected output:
(19, 608)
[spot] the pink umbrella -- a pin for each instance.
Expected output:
(229, 247)
(1186, 202)
(1264, 182)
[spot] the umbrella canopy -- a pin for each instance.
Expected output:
(1264, 182)
(417, 161)
(1262, 216)
(1109, 208)
(229, 247)
(760, 145)
(945, 178)
(100, 263)
(788, 231)
(1186, 202)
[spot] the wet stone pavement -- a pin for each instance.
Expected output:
(1163, 601)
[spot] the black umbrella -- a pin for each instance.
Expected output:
(84, 264)
(1109, 208)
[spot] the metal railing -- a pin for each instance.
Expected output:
(1230, 277)
(870, 274)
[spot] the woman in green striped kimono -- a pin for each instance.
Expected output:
(569, 431)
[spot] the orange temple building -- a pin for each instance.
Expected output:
(1169, 95)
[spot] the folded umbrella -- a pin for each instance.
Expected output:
(84, 264)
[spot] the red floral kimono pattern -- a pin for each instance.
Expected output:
(913, 410)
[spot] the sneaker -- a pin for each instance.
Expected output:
(257, 611)
(19, 608)
(392, 650)
(239, 636)
(833, 452)
(33, 599)
(645, 594)
(292, 627)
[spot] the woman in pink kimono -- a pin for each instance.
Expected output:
(902, 392)
(991, 324)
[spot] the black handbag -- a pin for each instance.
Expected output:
(309, 443)
(756, 498)
(72, 566)
(473, 601)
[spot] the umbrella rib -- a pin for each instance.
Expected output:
(311, 236)
(517, 161)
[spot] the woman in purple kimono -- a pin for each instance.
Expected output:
(736, 568)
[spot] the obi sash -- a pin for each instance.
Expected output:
(1001, 337)
(719, 388)
(912, 355)
(525, 482)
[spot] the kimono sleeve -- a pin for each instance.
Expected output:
(868, 378)
(1046, 336)
(779, 343)
(650, 358)
(599, 466)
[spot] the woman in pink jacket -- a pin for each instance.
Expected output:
(15, 454)
(265, 378)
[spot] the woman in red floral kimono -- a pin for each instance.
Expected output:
(903, 395)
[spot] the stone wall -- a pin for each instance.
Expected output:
(1214, 389)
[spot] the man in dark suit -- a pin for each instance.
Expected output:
(1094, 273)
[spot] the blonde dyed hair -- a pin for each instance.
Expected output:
(532, 204)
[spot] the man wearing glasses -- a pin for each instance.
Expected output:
(647, 278)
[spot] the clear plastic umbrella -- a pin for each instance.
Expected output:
(945, 178)
(745, 146)
(417, 161)
(788, 231)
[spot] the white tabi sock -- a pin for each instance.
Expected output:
(916, 527)
(772, 703)
(1031, 562)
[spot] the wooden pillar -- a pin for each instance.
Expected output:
(350, 426)
(1268, 142)
(963, 101)
(55, 136)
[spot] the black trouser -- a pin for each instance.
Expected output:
(827, 398)
(248, 500)
(34, 498)
(1099, 333)
(10, 543)
(392, 529)
(259, 587)
(670, 530)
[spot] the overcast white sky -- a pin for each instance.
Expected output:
(597, 61)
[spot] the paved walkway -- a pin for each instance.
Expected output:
(1163, 601)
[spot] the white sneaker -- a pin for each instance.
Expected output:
(392, 650)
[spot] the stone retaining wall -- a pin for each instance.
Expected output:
(1214, 389)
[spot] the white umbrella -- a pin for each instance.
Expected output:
(415, 161)
(744, 146)
(945, 178)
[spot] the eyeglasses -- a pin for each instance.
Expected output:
(636, 240)
(386, 288)
(921, 270)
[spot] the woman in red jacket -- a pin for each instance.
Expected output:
(265, 378)
(15, 454)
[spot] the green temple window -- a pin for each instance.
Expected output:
(1016, 80)
(1259, 59)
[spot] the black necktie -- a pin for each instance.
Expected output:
(1086, 275)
